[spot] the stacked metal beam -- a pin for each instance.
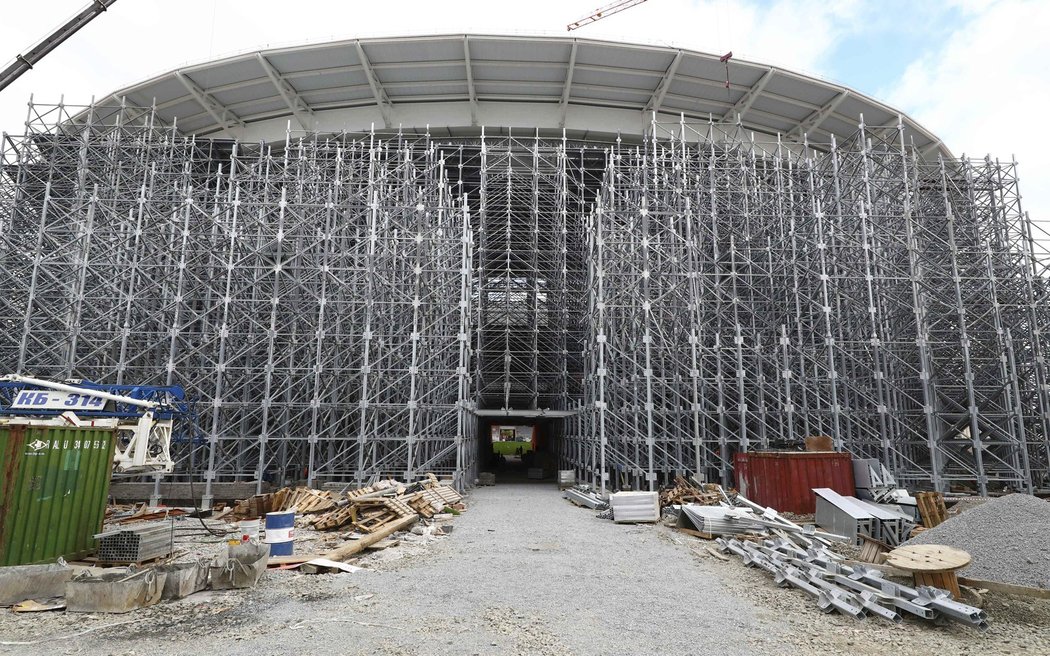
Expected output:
(852, 517)
(342, 306)
(137, 543)
(855, 591)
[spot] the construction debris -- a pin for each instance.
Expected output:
(304, 500)
(683, 492)
(804, 556)
(373, 513)
(183, 579)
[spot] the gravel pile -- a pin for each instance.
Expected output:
(1006, 537)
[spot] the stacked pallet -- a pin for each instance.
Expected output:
(433, 500)
(303, 499)
(365, 515)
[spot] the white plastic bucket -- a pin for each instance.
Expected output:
(249, 529)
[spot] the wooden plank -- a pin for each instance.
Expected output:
(1006, 588)
(888, 570)
(277, 561)
(695, 533)
(347, 550)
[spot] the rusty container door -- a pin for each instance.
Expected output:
(784, 480)
(53, 493)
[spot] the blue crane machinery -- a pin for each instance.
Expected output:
(146, 418)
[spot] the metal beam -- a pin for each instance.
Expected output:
(223, 116)
(567, 89)
(470, 82)
(382, 100)
(302, 111)
(748, 99)
(23, 63)
(665, 83)
(814, 120)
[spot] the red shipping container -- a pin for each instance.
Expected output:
(784, 480)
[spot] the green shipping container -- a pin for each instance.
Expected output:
(53, 493)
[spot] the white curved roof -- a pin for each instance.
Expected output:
(454, 83)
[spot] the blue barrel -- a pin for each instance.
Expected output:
(280, 532)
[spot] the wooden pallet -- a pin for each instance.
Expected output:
(433, 500)
(365, 515)
(931, 508)
(304, 500)
(872, 550)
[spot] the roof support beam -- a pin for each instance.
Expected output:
(470, 82)
(814, 120)
(291, 97)
(222, 116)
(665, 83)
(382, 100)
(566, 91)
(748, 99)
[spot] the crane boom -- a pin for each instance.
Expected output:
(607, 10)
(23, 63)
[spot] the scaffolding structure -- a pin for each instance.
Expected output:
(744, 296)
(314, 302)
(344, 307)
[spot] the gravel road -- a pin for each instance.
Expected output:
(523, 572)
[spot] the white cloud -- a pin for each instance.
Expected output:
(986, 90)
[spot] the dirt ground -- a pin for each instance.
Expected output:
(523, 572)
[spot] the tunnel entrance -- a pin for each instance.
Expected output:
(519, 448)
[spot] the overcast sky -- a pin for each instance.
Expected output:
(974, 72)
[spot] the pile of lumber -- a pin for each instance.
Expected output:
(368, 510)
(433, 499)
(364, 515)
(303, 499)
(683, 492)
